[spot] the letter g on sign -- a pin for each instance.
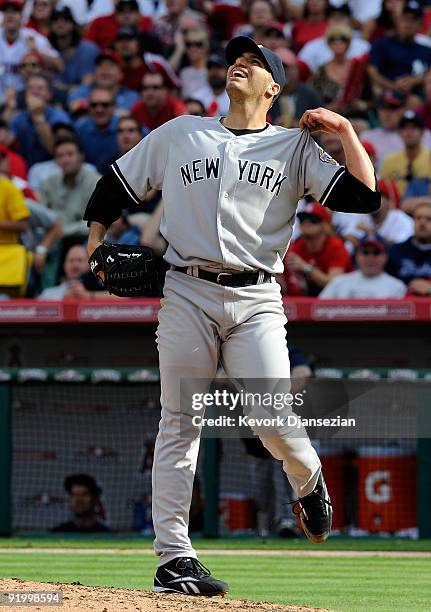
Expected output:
(378, 487)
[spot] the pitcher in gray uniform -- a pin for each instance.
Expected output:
(230, 190)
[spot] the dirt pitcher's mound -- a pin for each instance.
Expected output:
(105, 599)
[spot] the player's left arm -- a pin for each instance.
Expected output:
(355, 189)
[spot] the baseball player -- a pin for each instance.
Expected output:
(230, 190)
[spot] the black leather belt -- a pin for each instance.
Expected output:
(231, 279)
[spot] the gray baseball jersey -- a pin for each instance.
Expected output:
(229, 200)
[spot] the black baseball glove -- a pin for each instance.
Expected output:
(128, 271)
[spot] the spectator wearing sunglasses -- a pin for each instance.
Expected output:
(317, 52)
(316, 257)
(414, 160)
(157, 105)
(334, 80)
(97, 133)
(194, 76)
(369, 280)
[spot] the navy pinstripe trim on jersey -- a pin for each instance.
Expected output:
(331, 185)
(125, 184)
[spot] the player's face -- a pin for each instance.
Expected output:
(128, 135)
(371, 260)
(422, 217)
(249, 78)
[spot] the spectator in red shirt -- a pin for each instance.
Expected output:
(223, 17)
(157, 105)
(317, 257)
(312, 25)
(103, 30)
(128, 47)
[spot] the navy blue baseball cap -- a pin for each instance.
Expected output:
(243, 44)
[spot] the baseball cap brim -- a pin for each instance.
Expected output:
(243, 44)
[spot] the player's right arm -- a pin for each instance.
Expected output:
(127, 182)
(352, 188)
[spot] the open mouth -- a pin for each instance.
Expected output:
(238, 74)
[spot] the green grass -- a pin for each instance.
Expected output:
(243, 543)
(343, 584)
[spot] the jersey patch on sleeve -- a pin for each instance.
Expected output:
(326, 158)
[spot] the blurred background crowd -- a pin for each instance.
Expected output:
(83, 81)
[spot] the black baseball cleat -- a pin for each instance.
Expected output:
(188, 576)
(315, 512)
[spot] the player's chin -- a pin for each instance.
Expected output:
(236, 83)
(235, 89)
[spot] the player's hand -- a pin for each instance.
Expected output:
(323, 120)
(295, 263)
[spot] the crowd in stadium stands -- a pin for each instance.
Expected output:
(83, 81)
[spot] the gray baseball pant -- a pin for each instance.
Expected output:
(200, 324)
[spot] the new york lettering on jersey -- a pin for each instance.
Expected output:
(252, 172)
